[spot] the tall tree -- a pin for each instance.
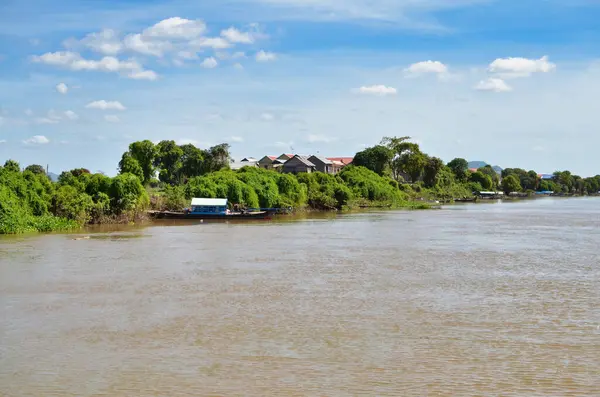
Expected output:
(217, 158)
(12, 165)
(460, 168)
(192, 161)
(129, 165)
(168, 160)
(412, 163)
(145, 153)
(36, 169)
(482, 179)
(431, 170)
(511, 184)
(377, 159)
(489, 171)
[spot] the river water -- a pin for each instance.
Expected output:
(472, 300)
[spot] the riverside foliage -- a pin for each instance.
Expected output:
(393, 174)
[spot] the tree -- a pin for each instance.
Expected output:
(72, 204)
(168, 160)
(431, 170)
(79, 171)
(36, 169)
(407, 157)
(12, 165)
(485, 181)
(192, 161)
(376, 159)
(216, 158)
(511, 184)
(459, 168)
(489, 171)
(127, 194)
(145, 153)
(565, 180)
(411, 163)
(129, 165)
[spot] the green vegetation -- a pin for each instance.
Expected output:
(30, 202)
(394, 174)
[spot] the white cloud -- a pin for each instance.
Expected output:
(106, 42)
(71, 115)
(62, 88)
(187, 55)
(105, 105)
(493, 84)
(521, 67)
(538, 149)
(28, 112)
(236, 139)
(111, 118)
(267, 117)
(263, 56)
(143, 75)
(209, 63)
(74, 61)
(143, 45)
(37, 140)
(217, 43)
(235, 36)
(46, 120)
(424, 67)
(2, 141)
(176, 28)
(319, 139)
(53, 115)
(380, 90)
(34, 42)
(239, 54)
(238, 66)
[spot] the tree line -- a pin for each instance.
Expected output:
(395, 173)
(405, 162)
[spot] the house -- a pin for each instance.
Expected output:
(285, 157)
(298, 164)
(248, 160)
(270, 163)
(236, 165)
(343, 160)
(322, 164)
(546, 177)
(209, 206)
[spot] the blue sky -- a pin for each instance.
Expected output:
(514, 83)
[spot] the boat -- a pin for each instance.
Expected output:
(213, 209)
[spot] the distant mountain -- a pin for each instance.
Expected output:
(53, 177)
(480, 164)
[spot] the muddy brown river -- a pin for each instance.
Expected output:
(473, 300)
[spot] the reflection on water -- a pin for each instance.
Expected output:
(472, 300)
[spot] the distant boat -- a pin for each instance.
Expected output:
(212, 208)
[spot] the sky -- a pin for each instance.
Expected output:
(512, 83)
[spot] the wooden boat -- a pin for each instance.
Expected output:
(190, 215)
(212, 209)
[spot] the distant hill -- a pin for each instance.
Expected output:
(479, 164)
(53, 177)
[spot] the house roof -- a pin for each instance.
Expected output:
(321, 159)
(217, 202)
(343, 160)
(240, 164)
(249, 159)
(303, 159)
